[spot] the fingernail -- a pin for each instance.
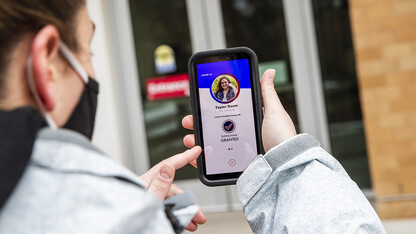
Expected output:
(271, 73)
(165, 173)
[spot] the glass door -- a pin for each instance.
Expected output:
(260, 25)
(339, 81)
(163, 44)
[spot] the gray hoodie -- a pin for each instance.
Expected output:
(71, 187)
(297, 187)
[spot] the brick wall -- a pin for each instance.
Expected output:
(384, 34)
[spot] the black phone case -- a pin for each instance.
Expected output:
(257, 103)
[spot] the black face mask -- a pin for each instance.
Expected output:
(83, 117)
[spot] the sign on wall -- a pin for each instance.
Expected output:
(171, 86)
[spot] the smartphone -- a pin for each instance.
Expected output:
(227, 110)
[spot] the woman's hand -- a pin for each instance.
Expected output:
(232, 87)
(277, 125)
(159, 179)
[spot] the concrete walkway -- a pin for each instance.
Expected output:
(235, 223)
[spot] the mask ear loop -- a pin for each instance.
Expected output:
(35, 94)
(73, 61)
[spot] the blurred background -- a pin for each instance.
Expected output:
(346, 74)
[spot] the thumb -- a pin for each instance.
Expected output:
(162, 182)
(271, 101)
(277, 125)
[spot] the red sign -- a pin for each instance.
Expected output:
(171, 86)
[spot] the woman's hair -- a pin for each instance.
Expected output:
(219, 87)
(21, 17)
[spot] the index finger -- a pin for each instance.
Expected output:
(180, 160)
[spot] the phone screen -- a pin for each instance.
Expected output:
(227, 115)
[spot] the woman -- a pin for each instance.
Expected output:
(225, 90)
(53, 180)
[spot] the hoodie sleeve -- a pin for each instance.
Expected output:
(298, 187)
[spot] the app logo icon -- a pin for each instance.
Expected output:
(228, 126)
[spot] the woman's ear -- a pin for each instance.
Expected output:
(45, 47)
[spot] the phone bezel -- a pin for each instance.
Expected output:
(218, 56)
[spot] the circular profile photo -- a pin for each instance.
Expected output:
(225, 88)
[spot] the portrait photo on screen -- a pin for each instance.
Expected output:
(225, 88)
